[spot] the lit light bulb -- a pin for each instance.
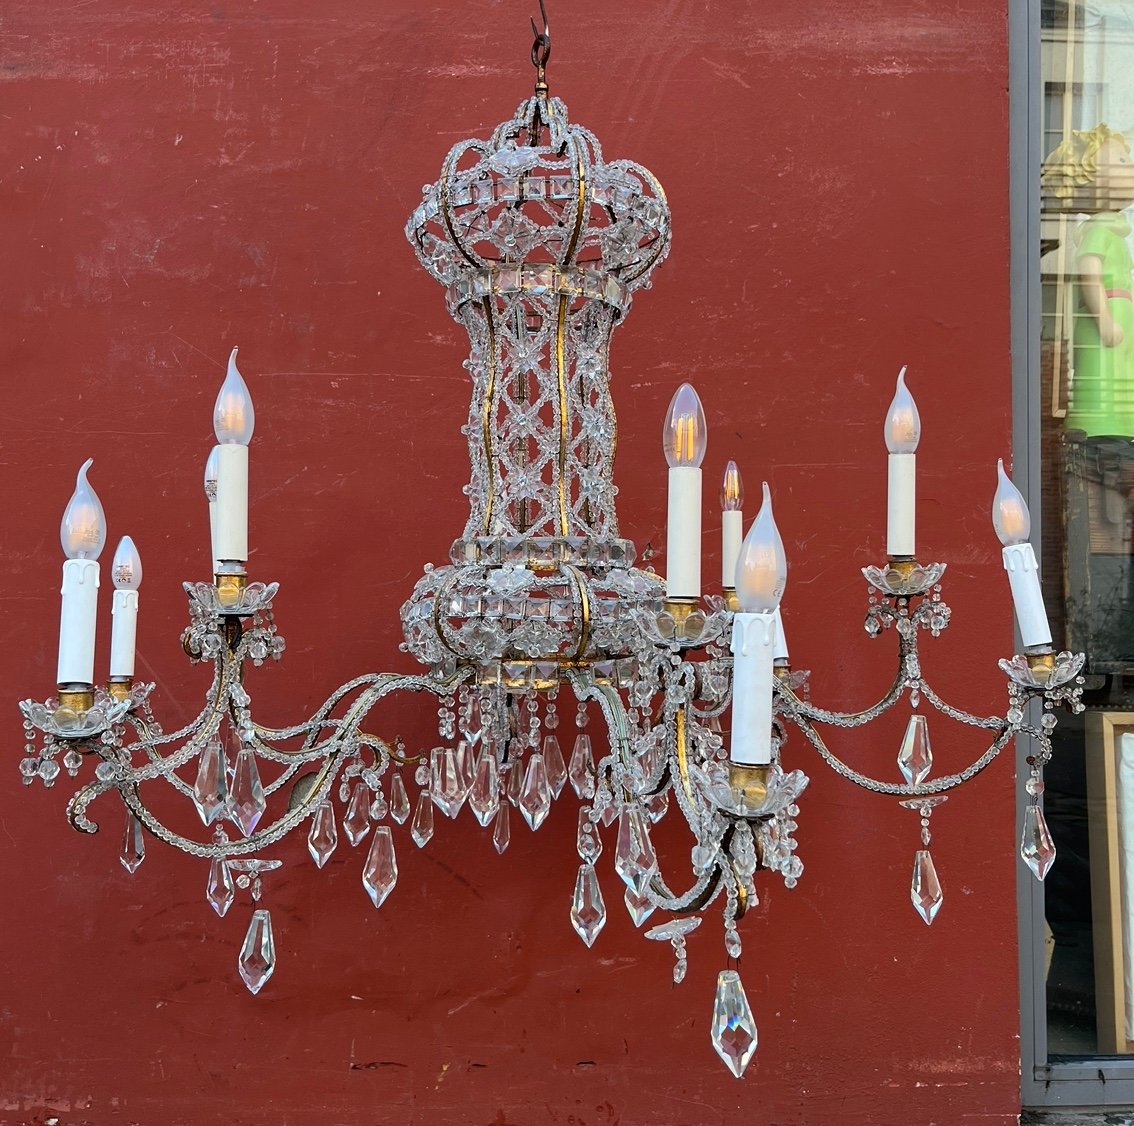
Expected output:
(761, 571)
(126, 569)
(211, 473)
(233, 416)
(684, 435)
(732, 489)
(83, 528)
(903, 423)
(1010, 516)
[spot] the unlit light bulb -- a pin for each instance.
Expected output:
(233, 416)
(684, 434)
(761, 571)
(1010, 516)
(126, 570)
(82, 531)
(903, 423)
(732, 489)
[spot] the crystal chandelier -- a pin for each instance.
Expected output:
(540, 245)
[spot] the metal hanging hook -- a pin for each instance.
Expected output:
(541, 50)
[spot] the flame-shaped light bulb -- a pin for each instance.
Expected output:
(684, 435)
(761, 571)
(126, 570)
(83, 528)
(211, 474)
(1010, 516)
(233, 416)
(903, 423)
(732, 489)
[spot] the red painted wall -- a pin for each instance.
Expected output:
(175, 179)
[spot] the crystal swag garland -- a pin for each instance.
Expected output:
(540, 245)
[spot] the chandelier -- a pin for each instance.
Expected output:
(678, 699)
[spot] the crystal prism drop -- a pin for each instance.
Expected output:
(246, 802)
(399, 800)
(515, 781)
(535, 796)
(324, 836)
(925, 891)
(357, 819)
(210, 791)
(634, 858)
(466, 756)
(485, 796)
(915, 757)
(733, 1027)
(1036, 845)
(501, 831)
(422, 828)
(447, 782)
(219, 890)
(582, 768)
(588, 911)
(380, 873)
(553, 763)
(257, 961)
(588, 840)
(638, 906)
(133, 845)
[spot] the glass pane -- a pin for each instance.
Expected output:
(1087, 442)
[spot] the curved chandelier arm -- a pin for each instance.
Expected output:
(992, 723)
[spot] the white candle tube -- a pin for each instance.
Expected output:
(211, 496)
(213, 535)
(123, 633)
(1023, 577)
(779, 645)
(901, 504)
(232, 503)
(683, 537)
(77, 622)
(732, 534)
(753, 642)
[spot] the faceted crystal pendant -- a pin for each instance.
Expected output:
(357, 819)
(925, 891)
(535, 796)
(582, 768)
(399, 800)
(422, 828)
(484, 797)
(324, 836)
(447, 782)
(515, 781)
(634, 857)
(553, 762)
(257, 961)
(501, 831)
(915, 759)
(733, 1027)
(588, 911)
(246, 802)
(219, 891)
(381, 871)
(1036, 845)
(210, 791)
(133, 844)
(588, 840)
(639, 906)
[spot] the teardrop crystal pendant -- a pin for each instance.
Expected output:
(257, 961)
(553, 763)
(638, 906)
(1036, 845)
(380, 873)
(915, 758)
(485, 794)
(925, 890)
(324, 836)
(588, 911)
(399, 800)
(356, 823)
(502, 830)
(447, 782)
(535, 796)
(210, 791)
(422, 828)
(133, 844)
(219, 891)
(634, 857)
(246, 802)
(581, 770)
(733, 1027)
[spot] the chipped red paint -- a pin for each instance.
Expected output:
(176, 179)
